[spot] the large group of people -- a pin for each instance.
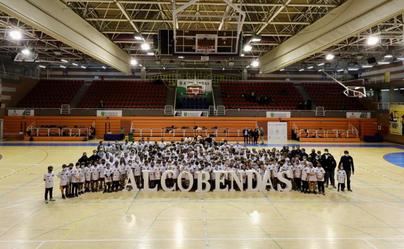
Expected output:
(109, 167)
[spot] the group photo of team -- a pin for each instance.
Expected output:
(109, 167)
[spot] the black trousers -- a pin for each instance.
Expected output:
(341, 186)
(348, 179)
(298, 183)
(330, 178)
(245, 139)
(48, 192)
(320, 186)
(75, 189)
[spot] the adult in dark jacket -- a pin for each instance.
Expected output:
(348, 165)
(329, 164)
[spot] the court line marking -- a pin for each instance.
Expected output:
(40, 245)
(202, 239)
(370, 244)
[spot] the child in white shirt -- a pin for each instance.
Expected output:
(48, 179)
(341, 178)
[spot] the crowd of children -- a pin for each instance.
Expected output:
(107, 168)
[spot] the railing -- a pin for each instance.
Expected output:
(327, 133)
(54, 131)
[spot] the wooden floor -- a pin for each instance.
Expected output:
(370, 217)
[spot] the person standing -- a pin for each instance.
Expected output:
(245, 136)
(48, 179)
(262, 134)
(348, 165)
(329, 165)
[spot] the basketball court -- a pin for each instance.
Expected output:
(369, 217)
(201, 76)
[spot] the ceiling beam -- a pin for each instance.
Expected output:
(273, 16)
(220, 3)
(60, 22)
(122, 9)
(352, 17)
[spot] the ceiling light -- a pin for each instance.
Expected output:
(367, 66)
(255, 63)
(353, 69)
(282, 69)
(372, 40)
(104, 67)
(383, 62)
(164, 68)
(321, 64)
(247, 48)
(388, 56)
(61, 66)
(15, 34)
(255, 38)
(340, 70)
(26, 51)
(241, 55)
(223, 69)
(301, 69)
(150, 53)
(329, 57)
(320, 70)
(310, 67)
(133, 62)
(400, 58)
(145, 46)
(63, 60)
(84, 67)
(138, 37)
(75, 64)
(181, 57)
(42, 66)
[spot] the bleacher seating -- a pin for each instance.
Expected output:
(284, 96)
(331, 96)
(51, 94)
(125, 94)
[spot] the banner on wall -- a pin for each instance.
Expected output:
(191, 113)
(358, 114)
(278, 114)
(396, 118)
(20, 112)
(109, 113)
(277, 132)
(194, 86)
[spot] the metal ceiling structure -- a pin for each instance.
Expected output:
(275, 21)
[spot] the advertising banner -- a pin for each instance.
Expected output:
(396, 119)
(109, 113)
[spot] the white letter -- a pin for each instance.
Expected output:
(146, 182)
(235, 178)
(203, 177)
(266, 181)
(163, 181)
(282, 178)
(219, 180)
(131, 181)
(250, 175)
(179, 180)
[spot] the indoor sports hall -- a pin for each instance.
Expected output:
(239, 124)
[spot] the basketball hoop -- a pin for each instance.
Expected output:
(355, 91)
(350, 91)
